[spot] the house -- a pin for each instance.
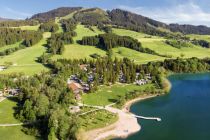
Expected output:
(141, 82)
(76, 88)
(83, 67)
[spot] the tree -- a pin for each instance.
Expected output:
(42, 105)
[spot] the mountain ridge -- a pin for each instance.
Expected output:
(120, 17)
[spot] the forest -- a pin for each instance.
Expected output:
(57, 41)
(49, 27)
(109, 40)
(18, 23)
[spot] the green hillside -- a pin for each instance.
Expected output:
(24, 61)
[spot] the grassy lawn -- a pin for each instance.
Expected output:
(76, 51)
(60, 30)
(162, 48)
(200, 37)
(7, 111)
(6, 116)
(34, 28)
(137, 57)
(137, 35)
(108, 94)
(157, 44)
(24, 61)
(97, 119)
(82, 31)
(9, 46)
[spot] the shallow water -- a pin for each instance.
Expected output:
(185, 111)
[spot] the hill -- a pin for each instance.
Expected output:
(138, 22)
(59, 12)
(91, 16)
(190, 29)
(121, 18)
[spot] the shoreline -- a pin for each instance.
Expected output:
(125, 126)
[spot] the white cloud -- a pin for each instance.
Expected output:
(17, 14)
(188, 13)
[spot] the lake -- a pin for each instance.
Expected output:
(185, 111)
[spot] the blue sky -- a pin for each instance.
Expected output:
(195, 12)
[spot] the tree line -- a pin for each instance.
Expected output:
(191, 65)
(202, 43)
(57, 41)
(18, 23)
(44, 100)
(10, 36)
(107, 71)
(69, 25)
(50, 26)
(109, 40)
(179, 43)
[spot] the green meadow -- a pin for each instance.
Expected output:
(7, 117)
(158, 44)
(200, 37)
(109, 94)
(76, 51)
(24, 61)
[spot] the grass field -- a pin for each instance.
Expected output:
(137, 57)
(108, 94)
(82, 31)
(200, 37)
(98, 119)
(6, 116)
(34, 28)
(157, 44)
(57, 21)
(24, 61)
(76, 51)
(162, 48)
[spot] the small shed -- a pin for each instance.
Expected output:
(74, 109)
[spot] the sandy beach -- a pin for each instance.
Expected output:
(126, 125)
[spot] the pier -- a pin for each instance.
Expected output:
(147, 118)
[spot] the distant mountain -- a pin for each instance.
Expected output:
(59, 12)
(190, 29)
(4, 19)
(118, 17)
(132, 20)
(125, 17)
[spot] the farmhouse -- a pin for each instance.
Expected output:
(76, 88)
(83, 67)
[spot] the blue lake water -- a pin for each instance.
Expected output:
(185, 111)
